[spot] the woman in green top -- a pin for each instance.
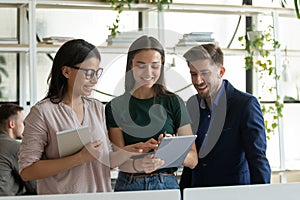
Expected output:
(140, 117)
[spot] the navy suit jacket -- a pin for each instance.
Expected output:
(234, 154)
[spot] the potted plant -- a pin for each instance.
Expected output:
(258, 58)
(119, 6)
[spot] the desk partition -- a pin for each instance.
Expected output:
(286, 191)
(143, 195)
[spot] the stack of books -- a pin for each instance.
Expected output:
(196, 38)
(56, 40)
(123, 39)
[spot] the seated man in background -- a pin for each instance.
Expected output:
(11, 128)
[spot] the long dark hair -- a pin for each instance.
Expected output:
(145, 43)
(70, 53)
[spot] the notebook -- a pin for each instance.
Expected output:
(72, 140)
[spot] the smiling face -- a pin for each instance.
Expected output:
(146, 68)
(78, 82)
(206, 78)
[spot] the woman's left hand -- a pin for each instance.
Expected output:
(148, 163)
(161, 136)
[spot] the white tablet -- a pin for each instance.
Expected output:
(72, 140)
(173, 150)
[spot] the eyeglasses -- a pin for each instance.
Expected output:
(89, 73)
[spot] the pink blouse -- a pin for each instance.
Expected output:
(40, 143)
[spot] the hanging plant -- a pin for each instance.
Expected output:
(119, 6)
(256, 44)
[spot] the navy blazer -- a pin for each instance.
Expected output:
(238, 155)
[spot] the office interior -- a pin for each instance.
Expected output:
(26, 58)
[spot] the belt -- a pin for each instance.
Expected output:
(147, 175)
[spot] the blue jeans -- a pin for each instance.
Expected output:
(127, 182)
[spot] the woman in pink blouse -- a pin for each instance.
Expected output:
(74, 74)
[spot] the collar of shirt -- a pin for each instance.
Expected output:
(216, 101)
(4, 133)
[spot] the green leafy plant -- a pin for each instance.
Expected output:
(2, 72)
(258, 58)
(119, 6)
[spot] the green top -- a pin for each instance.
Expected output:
(143, 119)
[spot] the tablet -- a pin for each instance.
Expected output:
(173, 150)
(72, 140)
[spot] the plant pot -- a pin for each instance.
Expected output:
(254, 35)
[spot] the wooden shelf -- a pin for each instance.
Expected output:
(229, 9)
(13, 3)
(14, 48)
(89, 4)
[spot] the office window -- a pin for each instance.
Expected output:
(8, 61)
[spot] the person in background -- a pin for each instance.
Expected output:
(75, 71)
(11, 130)
(142, 115)
(231, 140)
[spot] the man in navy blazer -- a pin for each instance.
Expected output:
(231, 140)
